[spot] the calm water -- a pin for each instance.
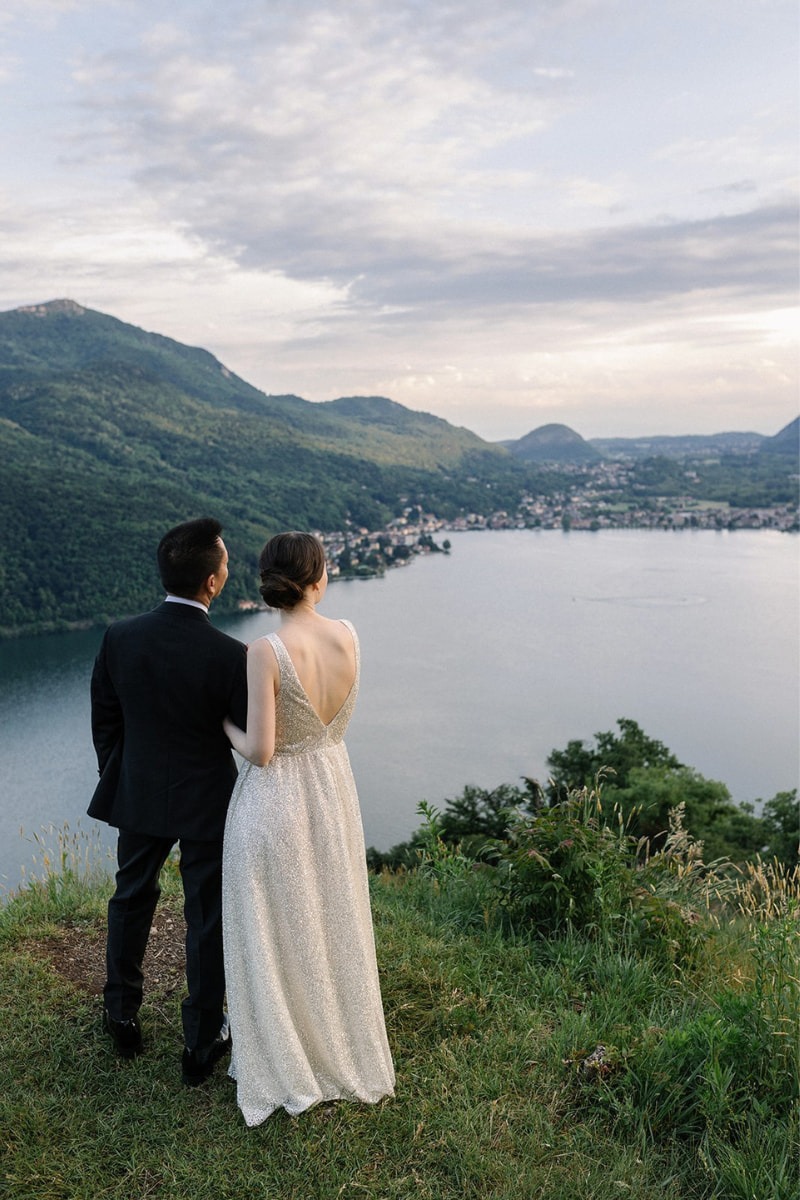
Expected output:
(477, 665)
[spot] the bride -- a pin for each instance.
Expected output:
(302, 980)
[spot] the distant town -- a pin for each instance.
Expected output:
(600, 499)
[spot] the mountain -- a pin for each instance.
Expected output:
(555, 444)
(681, 446)
(785, 442)
(560, 444)
(63, 337)
(109, 435)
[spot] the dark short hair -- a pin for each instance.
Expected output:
(288, 564)
(188, 554)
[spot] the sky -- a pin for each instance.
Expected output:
(508, 214)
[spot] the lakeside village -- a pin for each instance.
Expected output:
(362, 553)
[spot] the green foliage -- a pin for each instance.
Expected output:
(646, 862)
(755, 480)
(462, 891)
(646, 781)
(643, 784)
(726, 1072)
(781, 823)
(64, 887)
(718, 1065)
(617, 754)
(767, 898)
(474, 820)
(715, 1067)
(725, 828)
(481, 815)
(702, 1075)
(566, 868)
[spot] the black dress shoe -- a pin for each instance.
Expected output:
(197, 1065)
(126, 1035)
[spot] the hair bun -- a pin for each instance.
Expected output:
(290, 563)
(278, 590)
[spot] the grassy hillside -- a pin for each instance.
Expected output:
(109, 435)
(651, 1054)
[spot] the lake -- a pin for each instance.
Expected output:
(477, 664)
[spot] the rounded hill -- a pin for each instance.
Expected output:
(553, 443)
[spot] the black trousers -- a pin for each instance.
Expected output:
(130, 915)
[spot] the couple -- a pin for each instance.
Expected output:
(170, 695)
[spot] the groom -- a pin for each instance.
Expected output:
(161, 685)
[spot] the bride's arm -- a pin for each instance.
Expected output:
(257, 743)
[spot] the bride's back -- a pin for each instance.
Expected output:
(323, 655)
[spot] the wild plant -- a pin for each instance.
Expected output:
(568, 867)
(68, 865)
(679, 892)
(723, 1071)
(766, 901)
(438, 859)
(462, 889)
(64, 851)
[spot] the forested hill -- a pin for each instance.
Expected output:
(109, 435)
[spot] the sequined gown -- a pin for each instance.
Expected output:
(302, 980)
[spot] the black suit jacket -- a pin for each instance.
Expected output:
(161, 685)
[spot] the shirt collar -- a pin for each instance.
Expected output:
(170, 599)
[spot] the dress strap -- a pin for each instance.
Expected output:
(281, 653)
(349, 625)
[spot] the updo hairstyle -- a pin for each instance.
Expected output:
(289, 563)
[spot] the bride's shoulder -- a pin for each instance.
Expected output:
(337, 631)
(347, 637)
(341, 627)
(263, 648)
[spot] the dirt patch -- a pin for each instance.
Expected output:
(78, 954)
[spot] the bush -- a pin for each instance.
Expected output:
(781, 818)
(474, 821)
(647, 782)
(565, 868)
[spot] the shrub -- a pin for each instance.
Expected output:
(566, 868)
(781, 818)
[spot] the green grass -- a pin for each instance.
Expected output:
(689, 1098)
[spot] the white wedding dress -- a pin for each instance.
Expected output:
(302, 981)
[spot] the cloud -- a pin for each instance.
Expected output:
(455, 204)
(346, 146)
(748, 253)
